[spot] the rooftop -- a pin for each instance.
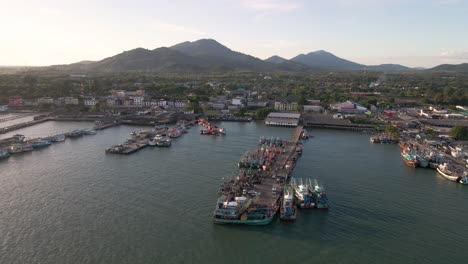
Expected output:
(284, 115)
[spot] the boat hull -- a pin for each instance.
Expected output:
(448, 177)
(265, 221)
(409, 163)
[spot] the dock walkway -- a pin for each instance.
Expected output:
(278, 174)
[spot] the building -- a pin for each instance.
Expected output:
(312, 108)
(3, 108)
(90, 101)
(256, 105)
(15, 101)
(238, 101)
(137, 100)
(181, 103)
(71, 101)
(283, 119)
(45, 100)
(349, 107)
(30, 102)
(285, 106)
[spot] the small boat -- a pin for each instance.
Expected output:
(448, 173)
(40, 143)
(288, 209)
(18, 148)
(4, 154)
(304, 134)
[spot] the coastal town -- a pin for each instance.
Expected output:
(429, 135)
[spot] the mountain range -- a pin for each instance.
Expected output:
(208, 55)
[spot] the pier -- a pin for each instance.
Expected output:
(23, 125)
(259, 190)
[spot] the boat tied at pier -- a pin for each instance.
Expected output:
(288, 208)
(302, 192)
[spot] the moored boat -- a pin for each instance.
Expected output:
(18, 148)
(89, 131)
(321, 200)
(288, 208)
(175, 134)
(240, 211)
(40, 143)
(58, 138)
(304, 198)
(409, 159)
(4, 154)
(450, 174)
(165, 142)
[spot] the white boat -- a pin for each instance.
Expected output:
(446, 172)
(155, 140)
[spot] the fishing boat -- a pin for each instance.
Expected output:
(89, 131)
(422, 162)
(165, 142)
(57, 138)
(75, 133)
(321, 200)
(175, 134)
(302, 193)
(155, 140)
(450, 174)
(288, 208)
(18, 148)
(240, 211)
(299, 149)
(40, 143)
(409, 159)
(304, 134)
(4, 154)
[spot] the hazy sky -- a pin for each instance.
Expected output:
(409, 32)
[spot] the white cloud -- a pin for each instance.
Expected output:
(272, 5)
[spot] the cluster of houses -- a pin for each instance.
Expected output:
(117, 98)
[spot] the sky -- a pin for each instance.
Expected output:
(415, 33)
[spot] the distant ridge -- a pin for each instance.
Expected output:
(208, 55)
(451, 67)
(328, 61)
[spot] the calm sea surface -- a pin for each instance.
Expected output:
(72, 203)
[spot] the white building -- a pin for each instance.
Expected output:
(237, 101)
(181, 103)
(137, 100)
(3, 108)
(90, 101)
(283, 119)
(45, 100)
